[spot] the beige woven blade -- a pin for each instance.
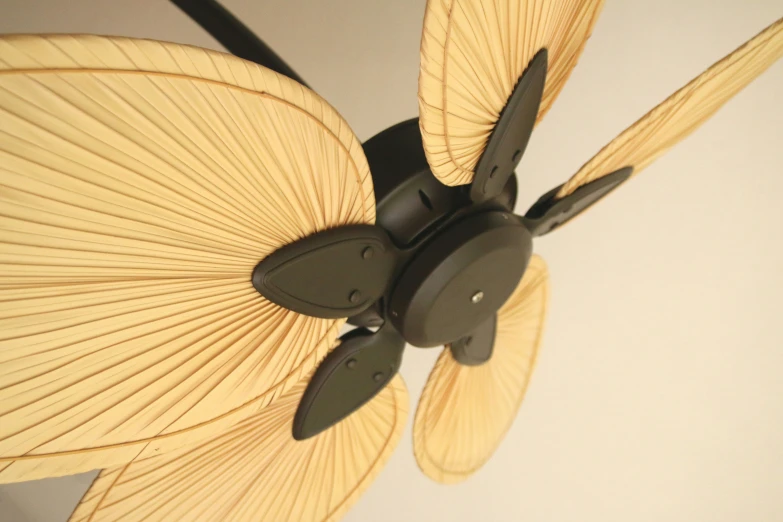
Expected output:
(256, 470)
(140, 183)
(465, 411)
(472, 54)
(684, 111)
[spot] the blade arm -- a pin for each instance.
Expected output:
(350, 376)
(235, 36)
(476, 349)
(511, 132)
(551, 212)
(332, 274)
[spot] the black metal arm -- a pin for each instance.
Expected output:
(235, 36)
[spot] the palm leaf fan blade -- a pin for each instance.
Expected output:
(140, 183)
(256, 470)
(684, 111)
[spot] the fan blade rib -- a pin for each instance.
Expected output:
(140, 184)
(472, 54)
(256, 470)
(465, 411)
(683, 112)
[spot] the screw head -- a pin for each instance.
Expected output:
(367, 253)
(355, 296)
(377, 376)
(350, 364)
(477, 297)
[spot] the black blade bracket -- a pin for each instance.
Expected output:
(511, 133)
(331, 274)
(549, 213)
(476, 348)
(352, 374)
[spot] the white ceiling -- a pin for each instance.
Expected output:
(658, 394)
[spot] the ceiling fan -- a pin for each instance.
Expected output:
(184, 232)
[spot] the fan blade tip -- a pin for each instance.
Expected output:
(684, 111)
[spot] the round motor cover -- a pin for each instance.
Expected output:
(462, 277)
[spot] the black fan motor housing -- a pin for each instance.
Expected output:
(460, 279)
(460, 260)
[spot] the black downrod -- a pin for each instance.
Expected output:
(235, 36)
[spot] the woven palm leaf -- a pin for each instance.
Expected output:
(256, 470)
(140, 183)
(684, 111)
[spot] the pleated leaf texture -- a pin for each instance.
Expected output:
(473, 52)
(684, 111)
(257, 471)
(465, 411)
(140, 184)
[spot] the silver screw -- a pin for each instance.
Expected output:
(477, 297)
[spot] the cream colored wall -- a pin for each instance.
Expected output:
(658, 393)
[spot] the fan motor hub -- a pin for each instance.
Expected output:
(460, 279)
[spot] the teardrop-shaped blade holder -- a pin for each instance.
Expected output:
(352, 374)
(331, 274)
(511, 133)
(549, 212)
